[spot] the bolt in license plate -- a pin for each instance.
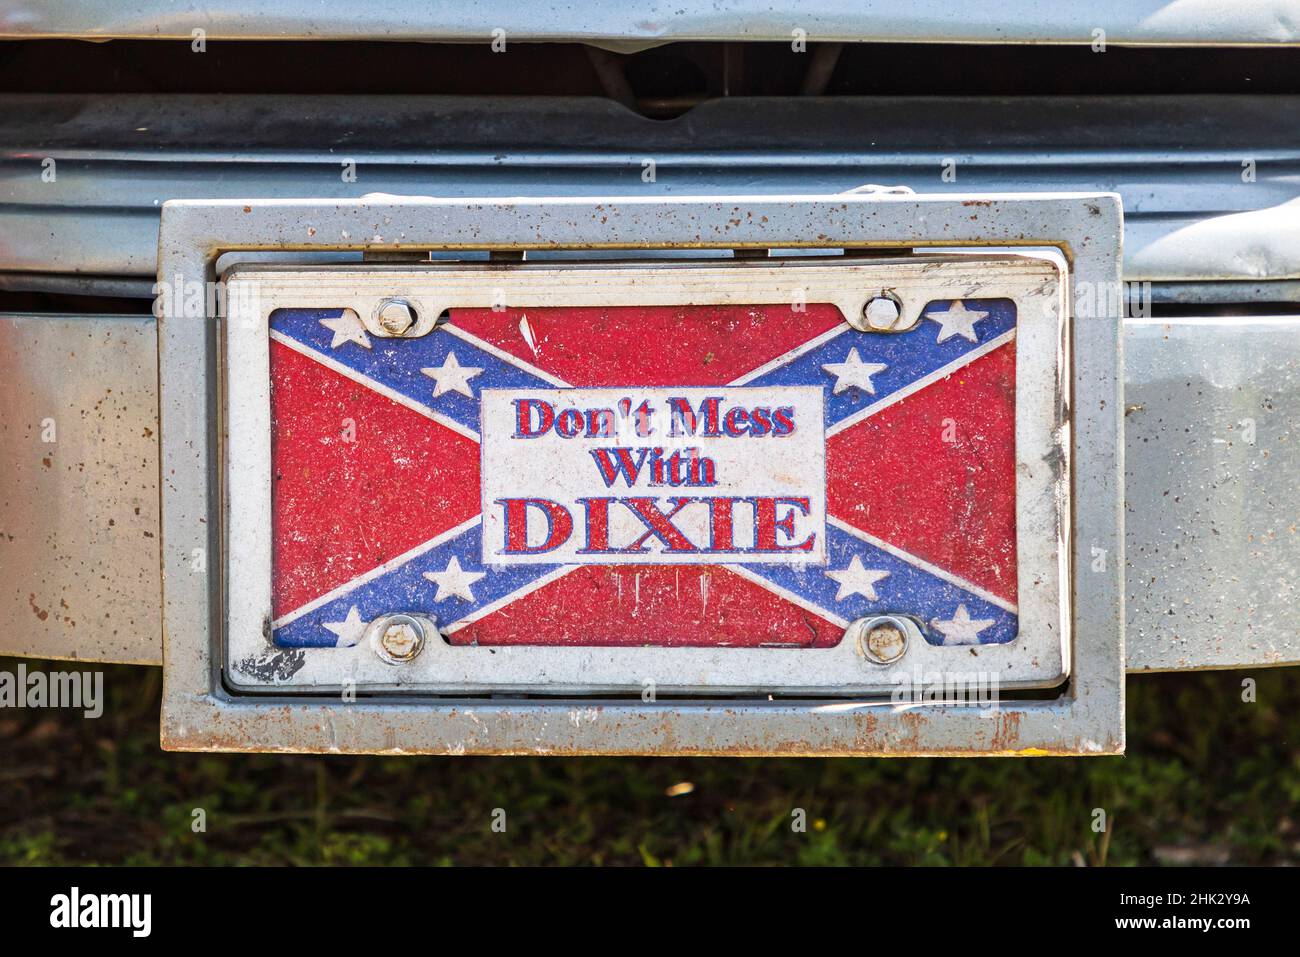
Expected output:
(815, 476)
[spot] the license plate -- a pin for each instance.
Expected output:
(808, 476)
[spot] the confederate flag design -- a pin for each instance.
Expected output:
(731, 476)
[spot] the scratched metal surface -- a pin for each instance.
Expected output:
(608, 23)
(1213, 492)
(1190, 216)
(79, 528)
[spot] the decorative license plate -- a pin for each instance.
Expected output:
(804, 476)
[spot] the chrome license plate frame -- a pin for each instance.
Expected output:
(1037, 657)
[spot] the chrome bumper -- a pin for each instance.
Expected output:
(1211, 444)
(1213, 547)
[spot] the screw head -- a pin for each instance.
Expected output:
(883, 313)
(398, 638)
(396, 316)
(881, 639)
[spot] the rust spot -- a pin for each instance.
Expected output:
(1007, 733)
(41, 613)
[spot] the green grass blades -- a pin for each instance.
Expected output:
(1209, 778)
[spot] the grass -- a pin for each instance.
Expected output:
(1208, 778)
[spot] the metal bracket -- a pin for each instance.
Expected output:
(200, 713)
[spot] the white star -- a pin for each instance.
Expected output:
(857, 580)
(452, 376)
(349, 630)
(957, 320)
(853, 372)
(347, 328)
(454, 581)
(961, 630)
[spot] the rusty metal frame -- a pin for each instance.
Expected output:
(199, 713)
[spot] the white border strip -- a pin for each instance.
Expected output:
(787, 357)
(917, 385)
(355, 583)
(511, 597)
(501, 354)
(782, 592)
(373, 385)
(922, 564)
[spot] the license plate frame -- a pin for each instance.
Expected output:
(1038, 657)
(201, 710)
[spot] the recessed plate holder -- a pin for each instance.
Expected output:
(208, 706)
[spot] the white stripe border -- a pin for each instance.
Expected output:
(917, 385)
(499, 353)
(361, 378)
(353, 584)
(510, 597)
(922, 564)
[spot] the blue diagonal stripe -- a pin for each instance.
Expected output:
(396, 363)
(907, 356)
(908, 590)
(405, 589)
